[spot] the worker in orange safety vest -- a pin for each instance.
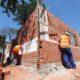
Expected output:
(65, 47)
(16, 49)
(15, 54)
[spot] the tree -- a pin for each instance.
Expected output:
(9, 6)
(9, 31)
(20, 9)
(22, 13)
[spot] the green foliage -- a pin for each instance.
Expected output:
(9, 6)
(2, 40)
(23, 11)
(20, 9)
(8, 31)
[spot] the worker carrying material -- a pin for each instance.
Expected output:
(67, 56)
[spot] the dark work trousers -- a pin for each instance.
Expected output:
(67, 57)
(16, 59)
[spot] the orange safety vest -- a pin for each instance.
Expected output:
(65, 41)
(16, 49)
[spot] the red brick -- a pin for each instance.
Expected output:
(49, 52)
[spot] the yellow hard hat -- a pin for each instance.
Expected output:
(67, 33)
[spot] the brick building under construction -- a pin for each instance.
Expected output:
(39, 38)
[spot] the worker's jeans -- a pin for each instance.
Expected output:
(68, 57)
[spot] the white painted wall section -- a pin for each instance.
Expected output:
(43, 28)
(45, 36)
(30, 46)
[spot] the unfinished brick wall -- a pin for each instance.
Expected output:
(49, 51)
(29, 30)
(60, 28)
(30, 59)
(76, 53)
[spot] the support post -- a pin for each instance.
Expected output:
(38, 17)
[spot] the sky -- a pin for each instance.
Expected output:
(66, 10)
(6, 21)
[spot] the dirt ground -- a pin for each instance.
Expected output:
(29, 73)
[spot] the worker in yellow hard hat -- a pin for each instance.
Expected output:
(65, 47)
(65, 40)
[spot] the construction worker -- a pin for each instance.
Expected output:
(15, 54)
(65, 47)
